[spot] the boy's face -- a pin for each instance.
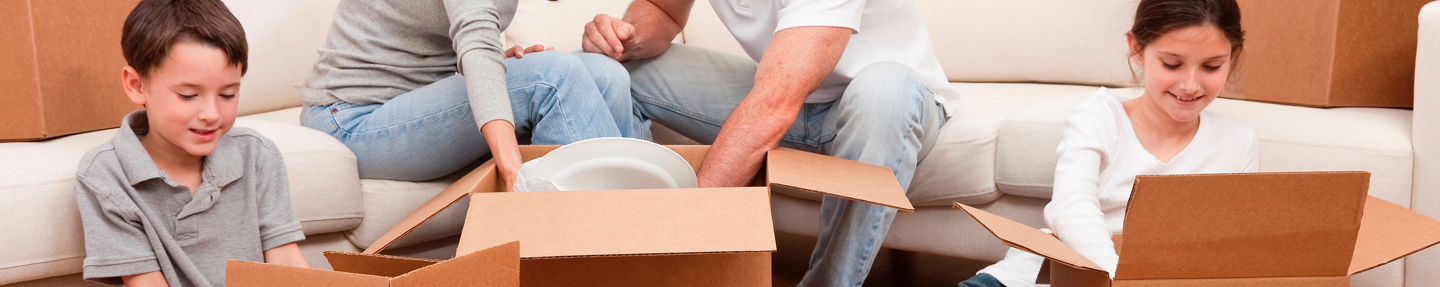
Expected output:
(190, 98)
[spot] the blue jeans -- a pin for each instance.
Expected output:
(887, 117)
(430, 132)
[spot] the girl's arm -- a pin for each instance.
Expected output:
(1074, 210)
(288, 255)
(147, 279)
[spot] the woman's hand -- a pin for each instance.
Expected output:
(519, 52)
(505, 149)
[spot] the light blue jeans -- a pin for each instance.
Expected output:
(430, 132)
(887, 117)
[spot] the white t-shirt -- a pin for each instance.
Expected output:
(1099, 159)
(884, 30)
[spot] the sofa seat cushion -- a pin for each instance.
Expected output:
(961, 165)
(37, 194)
(1292, 138)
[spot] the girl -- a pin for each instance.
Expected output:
(1186, 49)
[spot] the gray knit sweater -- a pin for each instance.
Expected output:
(379, 49)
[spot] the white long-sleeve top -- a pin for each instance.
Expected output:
(1100, 157)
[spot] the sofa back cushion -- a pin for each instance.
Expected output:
(1045, 41)
(283, 36)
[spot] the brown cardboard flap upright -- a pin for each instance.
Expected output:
(665, 237)
(1329, 53)
(60, 67)
(494, 266)
(1255, 229)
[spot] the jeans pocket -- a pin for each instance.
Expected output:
(347, 117)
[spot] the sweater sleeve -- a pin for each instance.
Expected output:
(1074, 210)
(475, 31)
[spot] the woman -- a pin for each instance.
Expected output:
(1187, 49)
(420, 89)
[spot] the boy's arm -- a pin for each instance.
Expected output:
(288, 255)
(148, 279)
(115, 242)
(279, 230)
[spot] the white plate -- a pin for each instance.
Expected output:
(614, 163)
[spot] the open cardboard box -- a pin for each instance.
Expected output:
(1254, 229)
(667, 237)
(494, 266)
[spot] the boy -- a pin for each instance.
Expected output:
(176, 192)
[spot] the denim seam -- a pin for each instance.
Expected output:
(675, 109)
(429, 117)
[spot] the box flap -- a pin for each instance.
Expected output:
(375, 264)
(480, 177)
(622, 222)
(1242, 225)
(848, 179)
(1389, 232)
(240, 273)
(20, 116)
(1029, 239)
(497, 266)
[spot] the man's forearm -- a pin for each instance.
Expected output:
(656, 22)
(796, 62)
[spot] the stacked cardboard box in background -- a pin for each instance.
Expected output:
(60, 67)
(1329, 53)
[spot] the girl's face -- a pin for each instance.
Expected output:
(1185, 69)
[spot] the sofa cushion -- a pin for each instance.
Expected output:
(1047, 41)
(37, 194)
(961, 166)
(283, 36)
(1291, 139)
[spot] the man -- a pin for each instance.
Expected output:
(852, 79)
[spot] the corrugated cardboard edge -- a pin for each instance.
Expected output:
(841, 178)
(375, 264)
(495, 266)
(1389, 232)
(444, 199)
(240, 273)
(1029, 239)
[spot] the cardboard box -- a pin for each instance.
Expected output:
(671, 237)
(1257, 229)
(60, 67)
(494, 266)
(1329, 53)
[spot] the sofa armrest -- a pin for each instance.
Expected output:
(1423, 268)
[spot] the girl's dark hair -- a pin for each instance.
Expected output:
(154, 26)
(1157, 17)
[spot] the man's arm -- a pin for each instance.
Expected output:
(645, 32)
(795, 63)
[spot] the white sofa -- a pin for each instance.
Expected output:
(1019, 66)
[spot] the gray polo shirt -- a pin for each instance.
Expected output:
(137, 220)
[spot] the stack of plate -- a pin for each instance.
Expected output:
(606, 164)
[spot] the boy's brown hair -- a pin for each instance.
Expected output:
(156, 25)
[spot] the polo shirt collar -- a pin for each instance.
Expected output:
(221, 167)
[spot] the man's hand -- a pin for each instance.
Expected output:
(519, 52)
(607, 35)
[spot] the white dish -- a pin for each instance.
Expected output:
(614, 163)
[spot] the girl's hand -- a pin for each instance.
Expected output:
(519, 52)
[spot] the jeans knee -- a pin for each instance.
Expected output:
(605, 70)
(553, 66)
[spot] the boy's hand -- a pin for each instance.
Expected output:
(519, 52)
(607, 35)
